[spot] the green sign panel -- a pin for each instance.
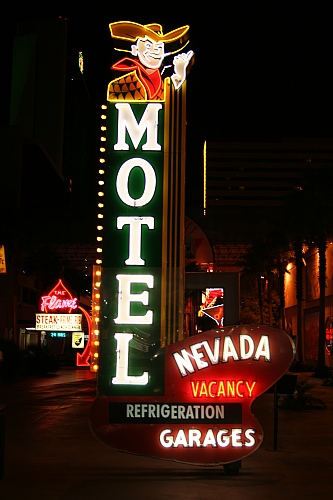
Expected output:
(132, 251)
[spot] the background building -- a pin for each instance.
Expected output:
(259, 174)
(259, 198)
(48, 171)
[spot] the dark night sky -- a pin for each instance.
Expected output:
(259, 73)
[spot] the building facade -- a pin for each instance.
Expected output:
(259, 174)
(48, 174)
(245, 186)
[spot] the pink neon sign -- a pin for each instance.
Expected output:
(59, 299)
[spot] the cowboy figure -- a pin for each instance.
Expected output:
(143, 78)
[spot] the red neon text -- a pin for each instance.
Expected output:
(222, 388)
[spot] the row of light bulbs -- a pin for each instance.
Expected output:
(97, 270)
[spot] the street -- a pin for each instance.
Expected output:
(51, 453)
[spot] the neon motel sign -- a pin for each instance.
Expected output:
(186, 400)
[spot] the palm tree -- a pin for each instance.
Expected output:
(256, 264)
(298, 246)
(297, 233)
(317, 188)
(322, 245)
(281, 253)
(268, 260)
(310, 209)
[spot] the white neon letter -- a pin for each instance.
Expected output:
(135, 223)
(250, 439)
(229, 350)
(263, 348)
(122, 182)
(197, 355)
(122, 377)
(213, 356)
(166, 440)
(243, 340)
(148, 122)
(183, 362)
(125, 297)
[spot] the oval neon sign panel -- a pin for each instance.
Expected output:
(204, 416)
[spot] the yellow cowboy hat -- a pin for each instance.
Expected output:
(127, 30)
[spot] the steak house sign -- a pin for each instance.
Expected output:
(186, 400)
(58, 310)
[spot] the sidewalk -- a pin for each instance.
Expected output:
(51, 453)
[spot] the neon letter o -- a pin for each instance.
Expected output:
(122, 182)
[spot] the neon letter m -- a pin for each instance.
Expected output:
(148, 122)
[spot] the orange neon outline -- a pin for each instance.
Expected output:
(124, 29)
(82, 359)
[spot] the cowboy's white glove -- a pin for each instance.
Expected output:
(180, 63)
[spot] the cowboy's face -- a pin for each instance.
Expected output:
(150, 53)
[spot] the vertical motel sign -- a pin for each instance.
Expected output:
(131, 290)
(158, 394)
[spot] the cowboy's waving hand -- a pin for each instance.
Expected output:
(180, 63)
